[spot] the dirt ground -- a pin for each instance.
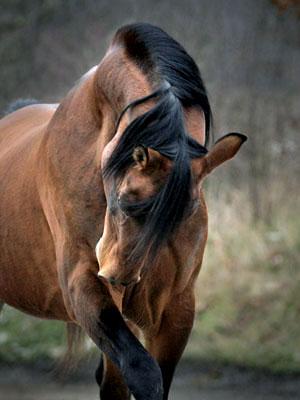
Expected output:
(192, 382)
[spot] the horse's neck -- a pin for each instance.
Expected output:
(71, 189)
(80, 129)
(75, 125)
(85, 120)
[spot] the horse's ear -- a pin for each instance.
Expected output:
(147, 158)
(141, 156)
(224, 149)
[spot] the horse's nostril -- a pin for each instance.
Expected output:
(117, 281)
(112, 281)
(132, 282)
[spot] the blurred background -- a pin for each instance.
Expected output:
(248, 293)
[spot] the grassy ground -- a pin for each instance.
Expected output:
(248, 297)
(249, 290)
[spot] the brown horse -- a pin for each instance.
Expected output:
(121, 159)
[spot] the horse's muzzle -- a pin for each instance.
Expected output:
(116, 281)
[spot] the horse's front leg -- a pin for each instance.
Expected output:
(168, 343)
(95, 311)
(110, 380)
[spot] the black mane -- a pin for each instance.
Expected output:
(161, 57)
(174, 72)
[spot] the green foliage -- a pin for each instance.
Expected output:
(24, 338)
(249, 290)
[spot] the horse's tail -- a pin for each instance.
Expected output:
(20, 103)
(75, 348)
(75, 341)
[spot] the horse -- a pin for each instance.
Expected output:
(103, 221)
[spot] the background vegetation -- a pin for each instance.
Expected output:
(249, 54)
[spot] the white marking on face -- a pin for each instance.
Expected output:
(98, 250)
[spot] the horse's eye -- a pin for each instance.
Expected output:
(135, 209)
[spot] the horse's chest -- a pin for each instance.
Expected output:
(145, 305)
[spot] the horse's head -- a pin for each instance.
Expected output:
(131, 202)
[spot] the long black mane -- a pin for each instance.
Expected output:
(162, 128)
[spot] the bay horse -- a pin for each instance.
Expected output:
(103, 221)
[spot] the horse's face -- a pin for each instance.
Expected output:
(124, 220)
(126, 212)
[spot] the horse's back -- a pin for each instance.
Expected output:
(23, 124)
